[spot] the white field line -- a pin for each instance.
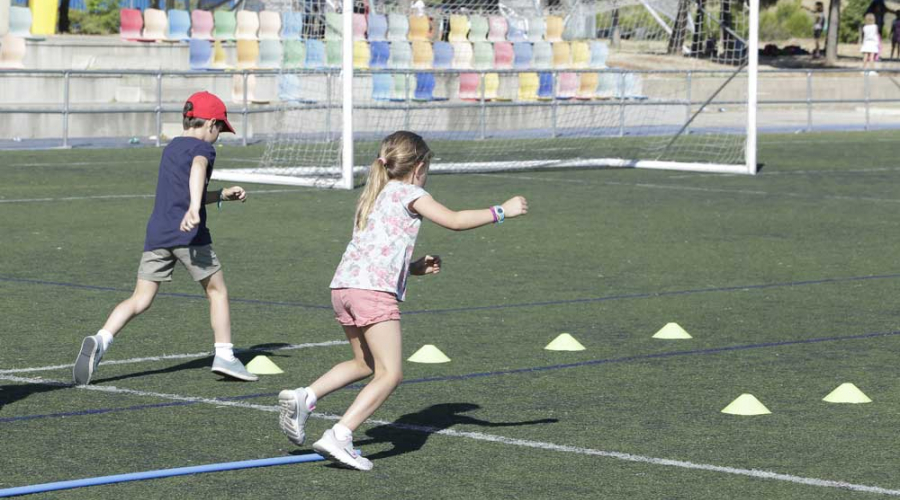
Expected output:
(478, 436)
(165, 357)
(91, 163)
(131, 196)
(848, 171)
(702, 189)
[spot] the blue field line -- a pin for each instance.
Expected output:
(469, 376)
(644, 295)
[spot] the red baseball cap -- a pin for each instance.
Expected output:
(207, 106)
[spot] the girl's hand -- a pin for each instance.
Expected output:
(515, 207)
(190, 220)
(429, 264)
(234, 193)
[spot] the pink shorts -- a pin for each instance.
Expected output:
(361, 308)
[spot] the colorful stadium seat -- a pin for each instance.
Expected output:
(528, 86)
(587, 86)
(334, 50)
(291, 25)
(379, 53)
(334, 26)
(237, 88)
(543, 55)
(562, 55)
(554, 29)
(599, 52)
(498, 28)
(201, 24)
(398, 27)
(294, 54)
(179, 25)
(315, 54)
(225, 24)
(517, 28)
(289, 88)
(503, 55)
(419, 29)
(545, 86)
(269, 25)
(361, 54)
(424, 87)
(377, 28)
(131, 24)
(200, 52)
(12, 52)
(247, 25)
(247, 54)
(482, 55)
(523, 55)
(568, 86)
(608, 85)
(459, 28)
(20, 21)
(402, 88)
(491, 86)
(478, 29)
(270, 54)
(462, 55)
(469, 84)
(359, 26)
(220, 58)
(155, 22)
(422, 55)
(581, 55)
(382, 84)
(401, 55)
(536, 29)
(443, 55)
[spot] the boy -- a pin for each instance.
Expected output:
(177, 231)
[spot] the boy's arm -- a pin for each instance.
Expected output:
(196, 184)
(225, 194)
(432, 210)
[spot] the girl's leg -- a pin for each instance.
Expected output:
(385, 342)
(342, 374)
(219, 313)
(140, 301)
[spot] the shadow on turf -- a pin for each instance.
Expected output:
(410, 432)
(16, 392)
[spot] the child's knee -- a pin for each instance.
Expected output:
(141, 303)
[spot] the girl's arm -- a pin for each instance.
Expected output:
(462, 220)
(196, 184)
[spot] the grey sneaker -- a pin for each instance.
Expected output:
(87, 360)
(294, 413)
(233, 368)
(341, 452)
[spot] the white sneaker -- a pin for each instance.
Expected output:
(87, 360)
(294, 413)
(341, 452)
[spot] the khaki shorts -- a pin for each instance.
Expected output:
(158, 264)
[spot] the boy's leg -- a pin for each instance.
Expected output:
(224, 362)
(384, 341)
(93, 346)
(296, 404)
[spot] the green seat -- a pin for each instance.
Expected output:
(333, 51)
(334, 26)
(225, 25)
(478, 28)
(483, 57)
(294, 53)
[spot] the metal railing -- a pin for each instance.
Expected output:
(331, 102)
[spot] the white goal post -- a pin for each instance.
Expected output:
(524, 85)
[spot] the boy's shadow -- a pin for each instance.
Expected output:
(245, 355)
(429, 421)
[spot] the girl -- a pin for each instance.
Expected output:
(369, 282)
(871, 41)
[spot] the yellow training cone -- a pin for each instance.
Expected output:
(262, 365)
(847, 393)
(746, 404)
(429, 354)
(672, 331)
(564, 342)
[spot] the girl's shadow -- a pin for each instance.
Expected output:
(427, 422)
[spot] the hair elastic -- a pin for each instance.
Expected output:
(382, 160)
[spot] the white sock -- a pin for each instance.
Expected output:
(310, 399)
(224, 350)
(342, 432)
(106, 339)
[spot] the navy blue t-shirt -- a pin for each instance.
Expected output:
(173, 196)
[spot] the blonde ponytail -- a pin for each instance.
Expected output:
(378, 178)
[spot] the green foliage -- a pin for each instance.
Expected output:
(852, 19)
(785, 20)
(100, 17)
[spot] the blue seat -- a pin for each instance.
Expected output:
(424, 87)
(315, 54)
(382, 85)
(179, 25)
(378, 28)
(443, 55)
(291, 25)
(200, 53)
(289, 88)
(523, 54)
(545, 87)
(379, 53)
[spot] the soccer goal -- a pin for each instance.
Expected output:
(513, 85)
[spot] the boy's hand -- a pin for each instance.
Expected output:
(429, 264)
(234, 193)
(190, 220)
(515, 207)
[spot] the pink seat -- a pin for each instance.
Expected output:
(498, 28)
(131, 24)
(503, 55)
(568, 85)
(201, 24)
(468, 86)
(359, 26)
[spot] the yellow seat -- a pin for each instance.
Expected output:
(459, 28)
(528, 86)
(587, 86)
(554, 25)
(422, 55)
(247, 53)
(419, 29)
(491, 85)
(562, 55)
(361, 54)
(581, 55)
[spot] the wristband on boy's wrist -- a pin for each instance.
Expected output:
(221, 197)
(499, 215)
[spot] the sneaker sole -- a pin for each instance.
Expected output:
(84, 363)
(229, 373)
(287, 399)
(337, 456)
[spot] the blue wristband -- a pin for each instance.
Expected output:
(500, 215)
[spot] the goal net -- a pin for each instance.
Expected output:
(518, 84)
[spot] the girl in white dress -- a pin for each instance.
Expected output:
(871, 41)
